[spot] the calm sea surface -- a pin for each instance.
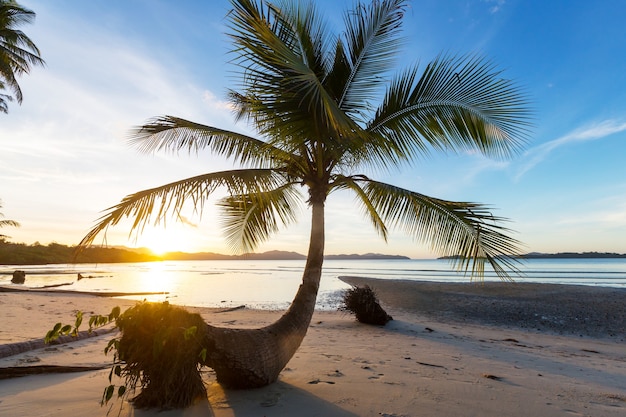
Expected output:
(272, 284)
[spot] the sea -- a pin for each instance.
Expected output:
(271, 284)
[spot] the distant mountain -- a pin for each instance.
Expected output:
(579, 255)
(273, 255)
(562, 255)
(54, 253)
(366, 256)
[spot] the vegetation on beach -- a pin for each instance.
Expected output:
(6, 223)
(363, 303)
(17, 51)
(160, 351)
(327, 109)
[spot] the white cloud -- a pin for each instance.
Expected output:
(496, 5)
(65, 149)
(538, 154)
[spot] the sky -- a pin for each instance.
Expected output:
(112, 65)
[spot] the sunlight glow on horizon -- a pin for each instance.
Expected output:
(111, 66)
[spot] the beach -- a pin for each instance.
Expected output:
(451, 350)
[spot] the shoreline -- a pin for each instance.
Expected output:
(425, 362)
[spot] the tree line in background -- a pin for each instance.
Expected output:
(55, 253)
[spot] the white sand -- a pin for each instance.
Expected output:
(414, 366)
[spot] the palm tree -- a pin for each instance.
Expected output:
(17, 51)
(5, 223)
(310, 97)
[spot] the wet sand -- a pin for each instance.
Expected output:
(577, 310)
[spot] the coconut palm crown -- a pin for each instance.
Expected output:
(17, 51)
(325, 108)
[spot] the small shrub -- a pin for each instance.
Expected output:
(362, 302)
(160, 350)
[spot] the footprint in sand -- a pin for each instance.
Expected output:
(336, 373)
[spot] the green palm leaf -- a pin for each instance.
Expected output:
(170, 133)
(253, 218)
(282, 69)
(17, 52)
(156, 205)
(372, 43)
(467, 231)
(457, 104)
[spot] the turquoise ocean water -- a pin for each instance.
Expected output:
(272, 284)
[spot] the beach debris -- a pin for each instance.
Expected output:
(363, 303)
(19, 277)
(494, 377)
(18, 371)
(227, 310)
(81, 276)
(430, 364)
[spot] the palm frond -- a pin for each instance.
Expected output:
(157, 205)
(175, 134)
(280, 52)
(456, 104)
(9, 223)
(17, 52)
(369, 210)
(468, 232)
(249, 219)
(372, 43)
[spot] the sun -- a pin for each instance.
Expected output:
(161, 241)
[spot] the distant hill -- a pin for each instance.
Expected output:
(565, 255)
(366, 256)
(270, 255)
(562, 255)
(54, 253)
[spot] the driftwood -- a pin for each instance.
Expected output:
(17, 371)
(95, 293)
(227, 310)
(11, 349)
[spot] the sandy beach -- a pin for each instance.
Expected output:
(451, 350)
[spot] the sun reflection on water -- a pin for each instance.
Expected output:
(155, 277)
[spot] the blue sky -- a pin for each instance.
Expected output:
(112, 65)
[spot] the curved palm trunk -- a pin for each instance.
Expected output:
(249, 358)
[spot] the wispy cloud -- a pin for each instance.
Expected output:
(538, 154)
(496, 5)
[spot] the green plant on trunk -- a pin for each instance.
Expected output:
(327, 108)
